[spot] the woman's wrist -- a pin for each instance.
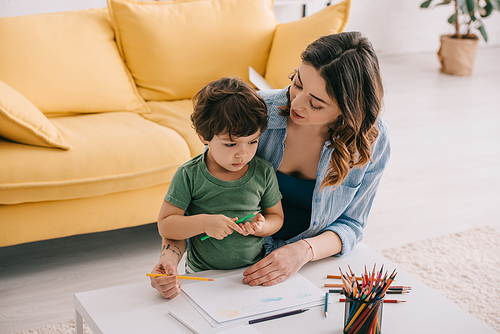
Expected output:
(310, 251)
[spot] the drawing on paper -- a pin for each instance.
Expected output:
(227, 299)
(247, 299)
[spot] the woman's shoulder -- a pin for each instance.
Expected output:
(382, 129)
(275, 97)
(382, 145)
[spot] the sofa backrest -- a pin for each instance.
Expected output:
(174, 48)
(85, 62)
(67, 63)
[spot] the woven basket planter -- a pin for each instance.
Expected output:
(457, 55)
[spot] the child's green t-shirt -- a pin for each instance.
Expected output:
(196, 191)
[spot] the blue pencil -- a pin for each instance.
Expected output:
(327, 297)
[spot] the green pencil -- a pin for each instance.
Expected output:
(237, 222)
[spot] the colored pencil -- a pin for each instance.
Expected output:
(365, 298)
(339, 276)
(393, 288)
(182, 277)
(277, 316)
(385, 300)
(389, 292)
(327, 297)
(237, 222)
(344, 281)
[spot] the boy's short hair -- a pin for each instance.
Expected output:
(228, 106)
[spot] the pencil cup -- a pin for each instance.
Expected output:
(363, 317)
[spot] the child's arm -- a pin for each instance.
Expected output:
(172, 224)
(267, 223)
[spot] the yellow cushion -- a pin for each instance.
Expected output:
(111, 152)
(175, 115)
(67, 62)
(174, 48)
(22, 122)
(293, 37)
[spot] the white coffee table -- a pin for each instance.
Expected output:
(138, 308)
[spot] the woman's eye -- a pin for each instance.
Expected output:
(313, 107)
(254, 142)
(230, 145)
(295, 85)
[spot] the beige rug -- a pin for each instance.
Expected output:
(62, 328)
(448, 264)
(464, 267)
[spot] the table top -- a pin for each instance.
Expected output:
(138, 308)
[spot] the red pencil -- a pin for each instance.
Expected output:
(385, 300)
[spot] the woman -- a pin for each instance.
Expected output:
(329, 148)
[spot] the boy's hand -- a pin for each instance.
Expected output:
(170, 286)
(220, 226)
(255, 226)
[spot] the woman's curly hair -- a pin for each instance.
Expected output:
(350, 68)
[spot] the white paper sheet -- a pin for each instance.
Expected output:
(257, 79)
(229, 301)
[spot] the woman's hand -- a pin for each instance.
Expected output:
(279, 265)
(170, 286)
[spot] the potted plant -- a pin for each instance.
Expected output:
(458, 50)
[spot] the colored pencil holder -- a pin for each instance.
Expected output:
(363, 317)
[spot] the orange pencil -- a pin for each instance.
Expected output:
(182, 277)
(339, 277)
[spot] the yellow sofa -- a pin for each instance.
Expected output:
(95, 104)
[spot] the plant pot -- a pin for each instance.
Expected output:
(456, 55)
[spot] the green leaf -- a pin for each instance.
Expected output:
(467, 6)
(462, 5)
(495, 4)
(452, 18)
(443, 3)
(488, 9)
(482, 30)
(471, 5)
(425, 4)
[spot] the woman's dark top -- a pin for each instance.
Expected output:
(297, 203)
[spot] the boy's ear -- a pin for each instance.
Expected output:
(202, 139)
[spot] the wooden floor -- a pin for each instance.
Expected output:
(444, 176)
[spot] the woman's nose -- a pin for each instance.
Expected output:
(298, 103)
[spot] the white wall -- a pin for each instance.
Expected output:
(396, 26)
(27, 7)
(393, 26)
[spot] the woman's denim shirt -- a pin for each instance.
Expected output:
(344, 209)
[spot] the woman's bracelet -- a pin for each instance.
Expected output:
(312, 250)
